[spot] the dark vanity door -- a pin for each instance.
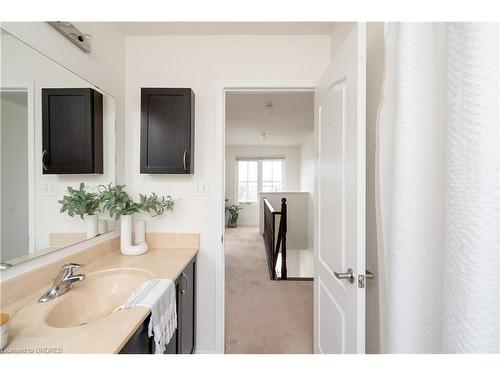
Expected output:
(140, 342)
(186, 311)
(183, 340)
(72, 131)
(167, 130)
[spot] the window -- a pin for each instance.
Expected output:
(272, 175)
(256, 175)
(247, 180)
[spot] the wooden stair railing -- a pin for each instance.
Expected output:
(275, 240)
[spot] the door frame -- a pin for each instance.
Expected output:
(222, 88)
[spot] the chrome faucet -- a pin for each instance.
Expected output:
(63, 282)
(4, 266)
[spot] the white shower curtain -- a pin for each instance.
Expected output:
(438, 189)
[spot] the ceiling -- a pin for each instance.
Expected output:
(291, 120)
(218, 28)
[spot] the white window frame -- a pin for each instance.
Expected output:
(237, 180)
(259, 160)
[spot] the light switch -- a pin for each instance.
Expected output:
(200, 189)
(50, 189)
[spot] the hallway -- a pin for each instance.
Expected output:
(263, 316)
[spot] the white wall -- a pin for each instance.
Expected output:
(250, 213)
(307, 177)
(201, 62)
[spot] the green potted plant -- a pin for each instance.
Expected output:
(116, 201)
(233, 210)
(84, 204)
(156, 205)
(120, 205)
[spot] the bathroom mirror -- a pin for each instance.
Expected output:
(31, 223)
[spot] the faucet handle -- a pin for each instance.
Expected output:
(71, 266)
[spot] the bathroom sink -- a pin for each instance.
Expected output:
(96, 297)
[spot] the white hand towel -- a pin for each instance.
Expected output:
(159, 296)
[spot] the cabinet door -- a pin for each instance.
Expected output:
(72, 131)
(140, 342)
(171, 347)
(167, 130)
(186, 318)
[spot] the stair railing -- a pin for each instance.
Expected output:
(275, 238)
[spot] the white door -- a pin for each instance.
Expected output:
(339, 300)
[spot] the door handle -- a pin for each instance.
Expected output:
(184, 159)
(349, 275)
(369, 275)
(183, 291)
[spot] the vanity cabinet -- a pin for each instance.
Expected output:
(183, 340)
(140, 342)
(186, 310)
(167, 131)
(72, 131)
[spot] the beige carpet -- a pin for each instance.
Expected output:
(263, 316)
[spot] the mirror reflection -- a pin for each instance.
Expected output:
(57, 131)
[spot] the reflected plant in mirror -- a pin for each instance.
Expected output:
(80, 202)
(84, 204)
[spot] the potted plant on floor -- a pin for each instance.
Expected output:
(84, 204)
(233, 210)
(121, 206)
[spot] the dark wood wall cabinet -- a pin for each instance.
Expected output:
(167, 130)
(183, 341)
(72, 131)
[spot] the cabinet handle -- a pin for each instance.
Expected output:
(44, 167)
(183, 291)
(184, 159)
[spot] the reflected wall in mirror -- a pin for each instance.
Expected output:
(31, 223)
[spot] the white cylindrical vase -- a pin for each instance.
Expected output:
(140, 231)
(91, 225)
(125, 231)
(126, 246)
(102, 226)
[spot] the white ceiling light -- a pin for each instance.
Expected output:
(268, 109)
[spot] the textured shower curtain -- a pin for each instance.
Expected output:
(439, 189)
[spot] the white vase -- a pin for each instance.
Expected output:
(140, 231)
(102, 226)
(91, 225)
(126, 246)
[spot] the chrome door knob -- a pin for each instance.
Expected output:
(349, 275)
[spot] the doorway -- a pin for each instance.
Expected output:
(17, 169)
(268, 155)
